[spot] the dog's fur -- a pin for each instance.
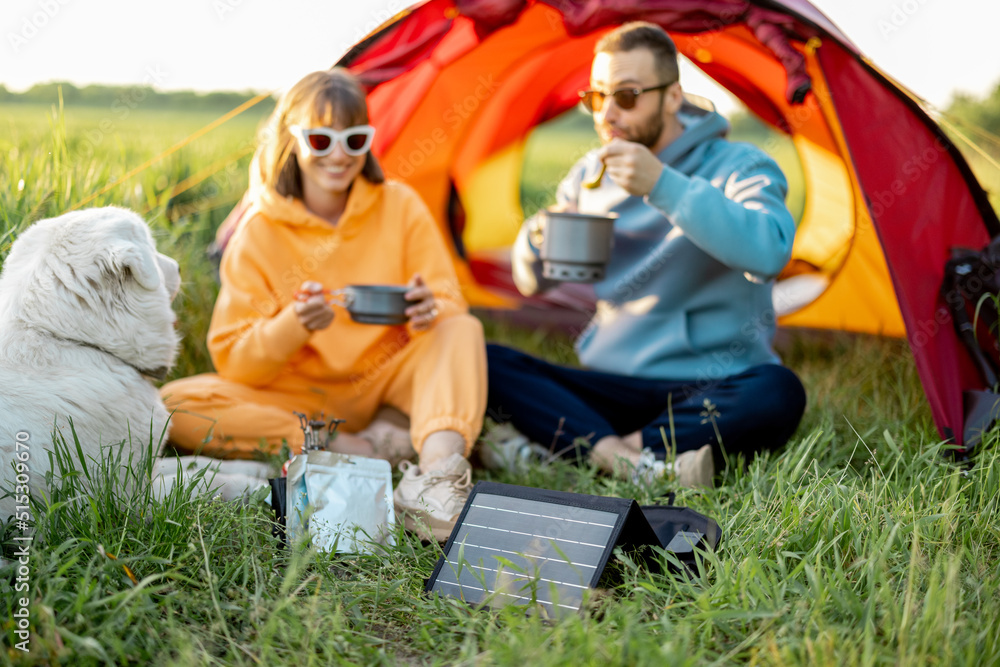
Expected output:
(85, 325)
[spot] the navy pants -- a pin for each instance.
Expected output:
(570, 409)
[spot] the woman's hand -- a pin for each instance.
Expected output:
(423, 312)
(311, 307)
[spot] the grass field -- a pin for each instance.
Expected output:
(857, 544)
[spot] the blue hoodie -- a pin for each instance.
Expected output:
(687, 292)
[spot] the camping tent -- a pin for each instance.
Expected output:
(456, 86)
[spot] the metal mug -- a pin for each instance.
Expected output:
(374, 304)
(575, 247)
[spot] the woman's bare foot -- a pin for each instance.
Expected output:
(351, 443)
(389, 436)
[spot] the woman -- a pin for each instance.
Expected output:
(324, 216)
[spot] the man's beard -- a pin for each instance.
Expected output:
(649, 132)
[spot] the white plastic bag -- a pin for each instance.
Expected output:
(343, 501)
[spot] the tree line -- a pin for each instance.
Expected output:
(97, 95)
(982, 112)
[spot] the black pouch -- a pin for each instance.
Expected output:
(278, 502)
(682, 531)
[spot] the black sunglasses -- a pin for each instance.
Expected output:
(625, 98)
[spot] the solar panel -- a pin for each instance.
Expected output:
(519, 545)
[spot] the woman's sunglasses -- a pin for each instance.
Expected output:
(625, 98)
(319, 141)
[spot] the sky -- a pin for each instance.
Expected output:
(934, 47)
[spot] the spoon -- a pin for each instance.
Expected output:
(596, 182)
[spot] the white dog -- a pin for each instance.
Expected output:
(85, 325)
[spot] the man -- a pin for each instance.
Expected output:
(678, 354)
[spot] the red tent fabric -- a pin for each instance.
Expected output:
(455, 86)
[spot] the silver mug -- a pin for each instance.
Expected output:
(575, 247)
(374, 304)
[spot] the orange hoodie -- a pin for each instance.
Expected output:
(385, 235)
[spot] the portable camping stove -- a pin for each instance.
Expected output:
(317, 431)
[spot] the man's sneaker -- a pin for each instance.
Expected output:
(695, 468)
(433, 500)
(691, 469)
(504, 448)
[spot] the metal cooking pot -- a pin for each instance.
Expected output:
(374, 304)
(575, 247)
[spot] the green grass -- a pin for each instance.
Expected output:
(858, 543)
(53, 161)
(987, 171)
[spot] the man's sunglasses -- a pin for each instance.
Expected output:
(319, 141)
(625, 98)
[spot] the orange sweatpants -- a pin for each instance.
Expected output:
(438, 379)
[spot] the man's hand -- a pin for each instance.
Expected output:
(632, 166)
(311, 307)
(563, 207)
(423, 313)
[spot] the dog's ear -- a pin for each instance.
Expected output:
(139, 260)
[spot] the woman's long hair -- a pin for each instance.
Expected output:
(320, 99)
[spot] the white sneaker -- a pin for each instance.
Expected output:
(691, 469)
(504, 448)
(695, 468)
(433, 500)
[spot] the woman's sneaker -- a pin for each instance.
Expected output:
(504, 448)
(429, 503)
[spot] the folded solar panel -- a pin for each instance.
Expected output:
(519, 545)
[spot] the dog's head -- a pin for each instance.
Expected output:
(94, 276)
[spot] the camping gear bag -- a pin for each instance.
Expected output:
(971, 289)
(344, 502)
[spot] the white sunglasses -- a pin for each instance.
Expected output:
(319, 141)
